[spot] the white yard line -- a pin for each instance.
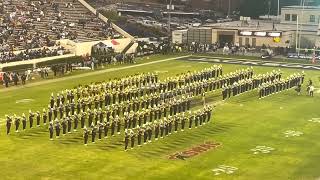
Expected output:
(88, 74)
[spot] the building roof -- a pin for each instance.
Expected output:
(263, 26)
(182, 13)
(301, 7)
(134, 10)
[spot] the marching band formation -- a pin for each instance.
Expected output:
(165, 127)
(250, 83)
(142, 107)
(278, 85)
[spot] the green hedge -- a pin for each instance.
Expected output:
(22, 67)
(100, 56)
(74, 59)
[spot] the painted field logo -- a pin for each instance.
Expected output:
(223, 169)
(195, 150)
(291, 133)
(315, 120)
(24, 101)
(262, 149)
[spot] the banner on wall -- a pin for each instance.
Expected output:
(272, 34)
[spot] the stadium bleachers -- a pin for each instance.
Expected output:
(52, 20)
(28, 24)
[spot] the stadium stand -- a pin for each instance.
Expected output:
(29, 24)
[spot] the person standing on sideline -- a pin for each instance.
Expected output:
(311, 90)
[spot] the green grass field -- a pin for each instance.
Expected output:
(240, 124)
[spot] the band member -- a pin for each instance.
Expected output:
(17, 122)
(132, 138)
(113, 126)
(156, 130)
(140, 133)
(31, 116)
(57, 127)
(44, 116)
(106, 128)
(38, 117)
(145, 135)
(24, 122)
(196, 120)
(82, 119)
(126, 140)
(118, 121)
(93, 134)
(176, 119)
(85, 136)
(51, 130)
(76, 122)
(183, 122)
(100, 129)
(191, 118)
(8, 124)
(69, 123)
(149, 129)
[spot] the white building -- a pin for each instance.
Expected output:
(257, 33)
(309, 15)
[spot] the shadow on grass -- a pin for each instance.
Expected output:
(182, 140)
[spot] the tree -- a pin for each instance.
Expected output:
(253, 8)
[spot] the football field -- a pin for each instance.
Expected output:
(247, 138)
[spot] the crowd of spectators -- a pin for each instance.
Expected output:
(15, 78)
(7, 57)
(27, 25)
(17, 30)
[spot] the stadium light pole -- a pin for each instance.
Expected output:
(297, 35)
(278, 14)
(169, 16)
(229, 8)
(301, 20)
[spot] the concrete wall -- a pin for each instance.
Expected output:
(35, 61)
(179, 36)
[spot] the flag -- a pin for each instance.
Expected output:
(114, 42)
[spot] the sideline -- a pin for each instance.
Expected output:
(251, 62)
(89, 74)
